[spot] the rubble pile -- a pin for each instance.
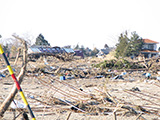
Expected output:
(89, 87)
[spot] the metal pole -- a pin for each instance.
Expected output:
(16, 82)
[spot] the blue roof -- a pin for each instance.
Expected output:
(69, 50)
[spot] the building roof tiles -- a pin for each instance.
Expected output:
(149, 41)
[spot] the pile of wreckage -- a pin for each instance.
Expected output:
(63, 53)
(99, 102)
(58, 94)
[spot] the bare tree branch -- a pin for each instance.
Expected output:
(20, 77)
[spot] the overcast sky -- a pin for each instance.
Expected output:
(91, 23)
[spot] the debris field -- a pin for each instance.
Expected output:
(77, 90)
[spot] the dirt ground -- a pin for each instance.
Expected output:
(101, 96)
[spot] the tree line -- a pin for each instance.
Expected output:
(127, 46)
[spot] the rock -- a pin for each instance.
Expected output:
(135, 89)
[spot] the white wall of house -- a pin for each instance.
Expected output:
(155, 47)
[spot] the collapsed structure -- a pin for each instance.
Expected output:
(65, 53)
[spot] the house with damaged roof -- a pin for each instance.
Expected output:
(59, 52)
(149, 48)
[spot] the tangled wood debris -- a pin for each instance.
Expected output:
(85, 90)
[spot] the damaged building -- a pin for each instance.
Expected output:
(61, 53)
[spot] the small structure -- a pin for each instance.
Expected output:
(68, 49)
(149, 48)
(103, 52)
(79, 53)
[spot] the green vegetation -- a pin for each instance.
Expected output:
(41, 41)
(117, 64)
(128, 46)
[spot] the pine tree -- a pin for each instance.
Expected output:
(77, 47)
(129, 46)
(122, 45)
(41, 41)
(95, 51)
(106, 46)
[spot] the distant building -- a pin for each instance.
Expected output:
(52, 51)
(79, 53)
(103, 52)
(44, 49)
(149, 48)
(87, 51)
(68, 49)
